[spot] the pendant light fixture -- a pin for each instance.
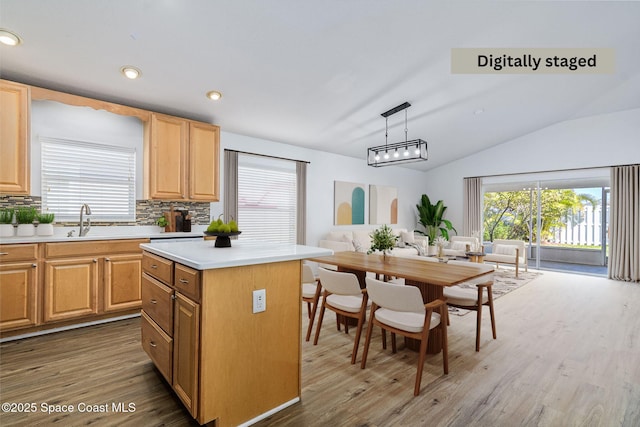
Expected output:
(399, 152)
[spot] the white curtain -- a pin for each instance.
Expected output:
(230, 185)
(472, 207)
(624, 224)
(301, 203)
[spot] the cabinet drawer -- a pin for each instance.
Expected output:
(157, 302)
(95, 247)
(158, 345)
(187, 281)
(18, 252)
(160, 268)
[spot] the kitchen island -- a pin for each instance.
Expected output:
(229, 362)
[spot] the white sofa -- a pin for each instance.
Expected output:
(359, 240)
(508, 252)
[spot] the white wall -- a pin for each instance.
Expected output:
(597, 141)
(325, 168)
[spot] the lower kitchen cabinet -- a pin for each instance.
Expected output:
(122, 282)
(186, 350)
(19, 274)
(70, 288)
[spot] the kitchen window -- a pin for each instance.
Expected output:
(77, 172)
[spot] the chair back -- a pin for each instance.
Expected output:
(339, 283)
(394, 297)
(307, 274)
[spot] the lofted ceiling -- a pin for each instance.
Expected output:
(318, 74)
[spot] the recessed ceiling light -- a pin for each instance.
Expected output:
(479, 111)
(8, 38)
(130, 72)
(214, 95)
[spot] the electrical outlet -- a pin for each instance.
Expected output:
(259, 300)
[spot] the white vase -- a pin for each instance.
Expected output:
(7, 230)
(26, 230)
(433, 250)
(44, 230)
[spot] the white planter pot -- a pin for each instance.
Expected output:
(7, 230)
(26, 230)
(44, 230)
(433, 250)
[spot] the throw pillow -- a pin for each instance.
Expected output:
(505, 249)
(407, 237)
(357, 245)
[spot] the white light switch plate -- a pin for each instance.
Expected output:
(259, 300)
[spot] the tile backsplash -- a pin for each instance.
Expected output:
(147, 211)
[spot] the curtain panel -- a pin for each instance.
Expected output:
(624, 224)
(472, 207)
(230, 185)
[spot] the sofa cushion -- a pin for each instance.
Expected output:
(505, 249)
(459, 246)
(407, 237)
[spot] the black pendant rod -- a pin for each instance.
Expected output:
(396, 109)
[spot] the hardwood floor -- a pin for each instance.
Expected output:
(567, 353)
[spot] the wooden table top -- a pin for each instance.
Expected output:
(433, 273)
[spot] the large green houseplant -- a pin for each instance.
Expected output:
(430, 216)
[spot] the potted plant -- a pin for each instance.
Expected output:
(6, 223)
(431, 218)
(163, 223)
(383, 240)
(25, 218)
(45, 224)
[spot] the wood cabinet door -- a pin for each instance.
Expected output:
(18, 295)
(14, 138)
(167, 157)
(122, 282)
(70, 288)
(204, 160)
(186, 350)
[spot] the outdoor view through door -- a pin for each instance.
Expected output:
(565, 228)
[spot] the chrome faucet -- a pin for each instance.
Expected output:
(84, 230)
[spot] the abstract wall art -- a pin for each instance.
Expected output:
(383, 204)
(348, 203)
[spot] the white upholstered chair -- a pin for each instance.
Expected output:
(400, 310)
(342, 294)
(508, 252)
(474, 299)
(458, 245)
(310, 294)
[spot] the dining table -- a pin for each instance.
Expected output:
(430, 277)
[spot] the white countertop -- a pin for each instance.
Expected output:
(202, 255)
(107, 233)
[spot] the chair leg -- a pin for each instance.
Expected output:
(337, 321)
(423, 352)
(309, 309)
(384, 337)
(445, 342)
(447, 315)
(361, 319)
(493, 319)
(316, 299)
(394, 348)
(320, 317)
(478, 324)
(367, 339)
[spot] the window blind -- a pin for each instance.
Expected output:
(77, 172)
(267, 199)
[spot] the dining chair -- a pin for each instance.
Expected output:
(310, 294)
(400, 310)
(474, 299)
(342, 294)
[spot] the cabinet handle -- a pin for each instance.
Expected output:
(185, 281)
(95, 260)
(154, 266)
(107, 259)
(173, 296)
(4, 253)
(152, 344)
(153, 301)
(34, 265)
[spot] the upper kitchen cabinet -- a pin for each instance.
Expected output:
(14, 138)
(181, 160)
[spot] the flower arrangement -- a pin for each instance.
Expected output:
(382, 239)
(440, 243)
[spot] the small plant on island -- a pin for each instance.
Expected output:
(382, 239)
